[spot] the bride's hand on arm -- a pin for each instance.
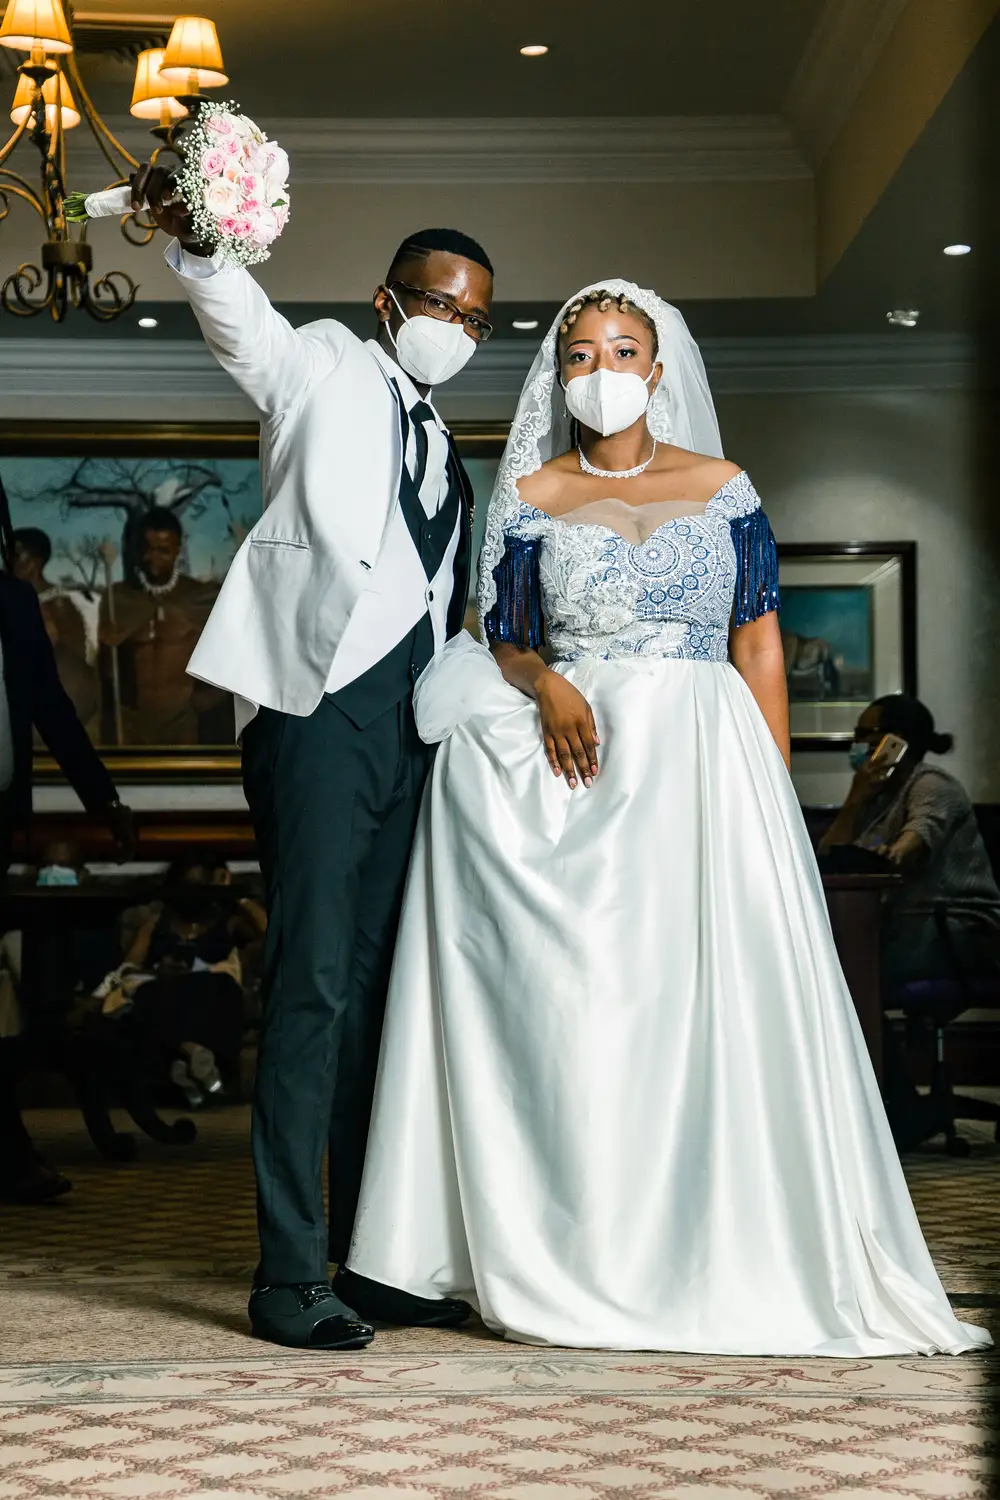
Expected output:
(756, 653)
(569, 733)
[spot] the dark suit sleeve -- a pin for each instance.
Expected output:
(55, 718)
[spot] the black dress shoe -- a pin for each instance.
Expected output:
(387, 1304)
(306, 1315)
(39, 1184)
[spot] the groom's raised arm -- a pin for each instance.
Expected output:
(270, 360)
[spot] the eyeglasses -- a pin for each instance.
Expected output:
(436, 306)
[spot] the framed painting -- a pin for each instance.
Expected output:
(126, 531)
(849, 632)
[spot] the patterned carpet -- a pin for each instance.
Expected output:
(126, 1370)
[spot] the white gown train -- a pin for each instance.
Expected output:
(624, 1100)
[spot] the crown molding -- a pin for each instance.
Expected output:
(748, 148)
(812, 364)
(181, 370)
(839, 56)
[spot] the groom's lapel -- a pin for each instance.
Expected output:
(463, 557)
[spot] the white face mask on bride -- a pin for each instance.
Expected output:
(429, 349)
(608, 401)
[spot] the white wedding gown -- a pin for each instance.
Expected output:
(624, 1101)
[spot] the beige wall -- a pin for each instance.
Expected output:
(729, 239)
(892, 466)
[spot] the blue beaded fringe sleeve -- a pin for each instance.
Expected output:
(756, 567)
(517, 618)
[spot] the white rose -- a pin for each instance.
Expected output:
(265, 225)
(277, 161)
(274, 191)
(222, 197)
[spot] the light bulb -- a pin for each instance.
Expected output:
(957, 249)
(535, 50)
(149, 323)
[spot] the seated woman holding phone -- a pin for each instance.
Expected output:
(919, 819)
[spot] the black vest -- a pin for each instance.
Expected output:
(390, 680)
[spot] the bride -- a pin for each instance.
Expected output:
(624, 1101)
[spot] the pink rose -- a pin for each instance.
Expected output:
(281, 214)
(212, 162)
(231, 146)
(220, 124)
(250, 185)
(227, 226)
(250, 206)
(242, 227)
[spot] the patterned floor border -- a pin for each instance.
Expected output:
(127, 1373)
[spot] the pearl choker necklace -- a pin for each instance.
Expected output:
(588, 468)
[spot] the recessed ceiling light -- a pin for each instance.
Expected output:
(524, 325)
(957, 249)
(148, 323)
(903, 317)
(535, 50)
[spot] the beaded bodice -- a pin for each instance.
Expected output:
(673, 591)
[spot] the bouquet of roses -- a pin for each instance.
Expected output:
(232, 180)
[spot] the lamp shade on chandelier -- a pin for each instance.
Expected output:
(50, 99)
(55, 93)
(153, 96)
(193, 57)
(29, 25)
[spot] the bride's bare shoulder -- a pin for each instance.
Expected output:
(542, 487)
(700, 469)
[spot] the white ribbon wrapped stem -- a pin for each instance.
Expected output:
(110, 204)
(113, 202)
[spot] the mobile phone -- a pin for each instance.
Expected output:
(888, 753)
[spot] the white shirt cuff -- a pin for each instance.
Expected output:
(195, 267)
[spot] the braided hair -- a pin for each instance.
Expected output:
(603, 301)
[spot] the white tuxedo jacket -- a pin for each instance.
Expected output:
(330, 456)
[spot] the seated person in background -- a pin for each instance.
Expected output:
(191, 1016)
(62, 863)
(920, 819)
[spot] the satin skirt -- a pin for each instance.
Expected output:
(624, 1101)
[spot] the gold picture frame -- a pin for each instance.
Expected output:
(70, 481)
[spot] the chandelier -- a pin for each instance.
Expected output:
(50, 100)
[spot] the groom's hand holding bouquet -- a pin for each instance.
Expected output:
(154, 188)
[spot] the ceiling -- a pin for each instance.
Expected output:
(944, 191)
(384, 58)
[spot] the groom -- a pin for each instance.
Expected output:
(356, 574)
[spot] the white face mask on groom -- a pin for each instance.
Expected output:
(429, 349)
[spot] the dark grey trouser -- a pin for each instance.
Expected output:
(334, 809)
(17, 1157)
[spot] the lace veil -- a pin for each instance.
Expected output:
(681, 411)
